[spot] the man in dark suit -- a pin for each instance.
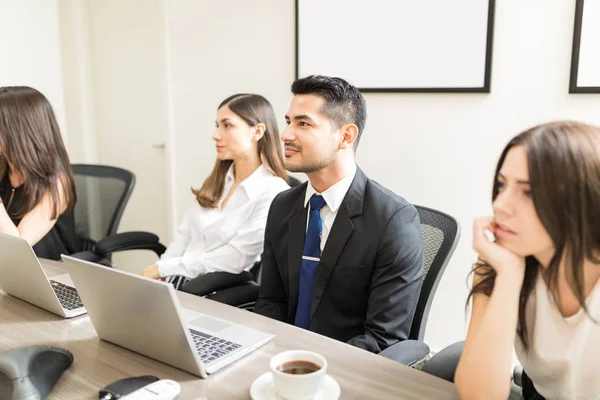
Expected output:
(343, 255)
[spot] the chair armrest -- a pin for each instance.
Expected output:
(130, 241)
(407, 352)
(243, 296)
(214, 281)
(443, 364)
(86, 255)
(90, 256)
(518, 376)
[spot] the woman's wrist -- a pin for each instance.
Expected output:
(509, 280)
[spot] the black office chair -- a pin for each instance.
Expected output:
(440, 233)
(443, 365)
(102, 194)
(239, 290)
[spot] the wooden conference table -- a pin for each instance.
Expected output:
(361, 375)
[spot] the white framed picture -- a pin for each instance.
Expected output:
(398, 45)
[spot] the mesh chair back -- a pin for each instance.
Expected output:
(102, 193)
(440, 233)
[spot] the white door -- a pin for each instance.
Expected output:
(126, 43)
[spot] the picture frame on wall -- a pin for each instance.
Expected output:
(585, 58)
(398, 45)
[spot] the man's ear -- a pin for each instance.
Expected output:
(259, 131)
(349, 135)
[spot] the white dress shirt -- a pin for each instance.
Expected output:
(229, 239)
(334, 196)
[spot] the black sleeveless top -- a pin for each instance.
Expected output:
(61, 239)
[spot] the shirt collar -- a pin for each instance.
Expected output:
(254, 184)
(334, 196)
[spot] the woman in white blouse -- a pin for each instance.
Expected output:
(536, 286)
(224, 229)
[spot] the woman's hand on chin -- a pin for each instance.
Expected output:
(501, 259)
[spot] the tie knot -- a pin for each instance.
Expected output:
(317, 202)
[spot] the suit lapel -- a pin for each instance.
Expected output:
(340, 233)
(297, 234)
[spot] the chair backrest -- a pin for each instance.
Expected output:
(102, 194)
(440, 233)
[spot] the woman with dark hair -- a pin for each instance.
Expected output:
(536, 284)
(224, 229)
(37, 193)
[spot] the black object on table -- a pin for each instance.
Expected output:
(30, 373)
(125, 386)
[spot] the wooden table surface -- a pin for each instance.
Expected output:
(361, 375)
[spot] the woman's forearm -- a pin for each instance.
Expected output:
(484, 367)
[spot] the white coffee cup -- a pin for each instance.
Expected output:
(297, 386)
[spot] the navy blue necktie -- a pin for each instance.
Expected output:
(310, 261)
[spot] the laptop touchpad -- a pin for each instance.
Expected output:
(207, 323)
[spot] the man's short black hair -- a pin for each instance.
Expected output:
(344, 104)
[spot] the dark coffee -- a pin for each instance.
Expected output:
(298, 367)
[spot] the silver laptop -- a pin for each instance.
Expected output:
(22, 276)
(144, 315)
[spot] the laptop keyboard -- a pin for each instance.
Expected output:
(67, 296)
(210, 348)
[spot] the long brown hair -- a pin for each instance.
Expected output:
(564, 174)
(31, 142)
(254, 109)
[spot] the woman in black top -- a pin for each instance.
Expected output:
(37, 192)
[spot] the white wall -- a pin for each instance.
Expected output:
(230, 47)
(437, 150)
(77, 79)
(30, 48)
(441, 150)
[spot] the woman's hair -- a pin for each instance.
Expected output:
(254, 109)
(563, 159)
(30, 140)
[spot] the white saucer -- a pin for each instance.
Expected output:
(263, 388)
